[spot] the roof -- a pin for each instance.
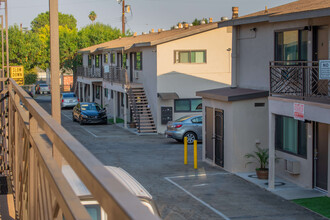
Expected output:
(292, 11)
(232, 94)
(150, 39)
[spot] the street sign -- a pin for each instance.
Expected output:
(299, 111)
(324, 69)
(17, 73)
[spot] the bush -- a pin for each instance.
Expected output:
(30, 78)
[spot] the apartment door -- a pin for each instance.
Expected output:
(131, 67)
(118, 103)
(219, 137)
(209, 133)
(321, 156)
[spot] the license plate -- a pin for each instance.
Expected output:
(70, 101)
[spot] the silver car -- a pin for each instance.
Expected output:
(68, 99)
(187, 126)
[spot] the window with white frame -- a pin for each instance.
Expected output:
(190, 56)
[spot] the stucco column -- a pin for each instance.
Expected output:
(125, 110)
(79, 90)
(114, 106)
(271, 144)
(91, 92)
(83, 93)
(329, 151)
(235, 56)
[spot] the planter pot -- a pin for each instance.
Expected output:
(262, 174)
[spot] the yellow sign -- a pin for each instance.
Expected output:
(17, 73)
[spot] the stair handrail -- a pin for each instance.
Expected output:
(134, 106)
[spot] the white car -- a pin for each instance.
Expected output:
(68, 99)
(44, 89)
(92, 205)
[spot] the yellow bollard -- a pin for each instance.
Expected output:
(185, 150)
(195, 154)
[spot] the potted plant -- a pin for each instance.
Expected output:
(261, 158)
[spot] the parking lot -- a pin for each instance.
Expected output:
(179, 191)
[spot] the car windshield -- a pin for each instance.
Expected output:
(90, 106)
(183, 118)
(69, 95)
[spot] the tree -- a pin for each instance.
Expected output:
(63, 19)
(96, 33)
(92, 16)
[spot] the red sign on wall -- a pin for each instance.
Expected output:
(298, 111)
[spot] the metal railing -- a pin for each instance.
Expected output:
(40, 189)
(116, 75)
(298, 79)
(90, 72)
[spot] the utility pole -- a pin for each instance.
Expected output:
(123, 17)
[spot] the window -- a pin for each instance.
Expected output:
(111, 93)
(188, 105)
(197, 120)
(138, 61)
(290, 135)
(105, 58)
(291, 45)
(112, 58)
(106, 93)
(89, 60)
(198, 56)
(94, 211)
(122, 99)
(125, 61)
(97, 61)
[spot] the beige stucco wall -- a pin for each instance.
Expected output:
(244, 126)
(312, 112)
(256, 50)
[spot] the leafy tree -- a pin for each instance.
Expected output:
(96, 33)
(92, 16)
(63, 19)
(30, 78)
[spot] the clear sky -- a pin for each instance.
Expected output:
(146, 14)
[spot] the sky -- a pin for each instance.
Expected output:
(145, 14)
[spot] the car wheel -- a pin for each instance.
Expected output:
(81, 121)
(191, 137)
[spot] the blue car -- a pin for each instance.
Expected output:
(89, 113)
(188, 126)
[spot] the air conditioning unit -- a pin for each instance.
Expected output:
(292, 166)
(136, 74)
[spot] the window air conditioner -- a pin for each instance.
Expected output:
(136, 74)
(292, 166)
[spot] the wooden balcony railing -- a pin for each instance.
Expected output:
(40, 189)
(90, 72)
(299, 79)
(116, 75)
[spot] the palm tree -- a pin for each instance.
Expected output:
(92, 16)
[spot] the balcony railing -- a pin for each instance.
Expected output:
(28, 137)
(299, 79)
(90, 72)
(116, 74)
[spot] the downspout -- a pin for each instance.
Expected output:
(235, 56)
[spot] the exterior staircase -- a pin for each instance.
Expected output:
(141, 111)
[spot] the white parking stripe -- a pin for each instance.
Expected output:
(196, 198)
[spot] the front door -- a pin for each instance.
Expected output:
(118, 103)
(219, 139)
(321, 156)
(209, 133)
(131, 68)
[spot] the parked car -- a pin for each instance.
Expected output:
(87, 112)
(122, 176)
(188, 126)
(42, 89)
(68, 99)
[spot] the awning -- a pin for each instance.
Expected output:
(168, 95)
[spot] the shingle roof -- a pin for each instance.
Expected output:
(151, 39)
(293, 7)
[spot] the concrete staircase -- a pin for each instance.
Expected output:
(141, 111)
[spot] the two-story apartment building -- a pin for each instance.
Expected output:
(284, 51)
(152, 78)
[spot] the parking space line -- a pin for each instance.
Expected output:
(201, 174)
(89, 131)
(196, 198)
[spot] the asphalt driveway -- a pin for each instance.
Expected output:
(180, 191)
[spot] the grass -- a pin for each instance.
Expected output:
(320, 205)
(118, 120)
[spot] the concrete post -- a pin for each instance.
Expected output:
(125, 110)
(79, 90)
(114, 106)
(91, 92)
(271, 144)
(83, 92)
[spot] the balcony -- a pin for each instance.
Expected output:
(90, 72)
(299, 80)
